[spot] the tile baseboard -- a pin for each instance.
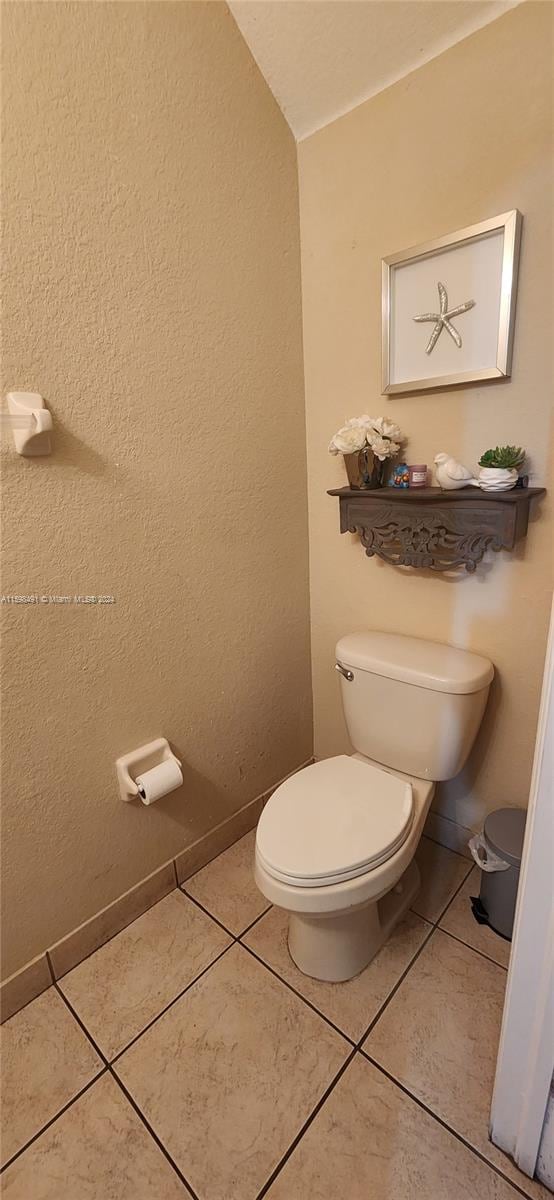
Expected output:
(23, 986)
(28, 983)
(92, 934)
(201, 852)
(448, 833)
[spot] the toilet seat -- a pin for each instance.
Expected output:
(333, 821)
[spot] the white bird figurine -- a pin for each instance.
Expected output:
(452, 474)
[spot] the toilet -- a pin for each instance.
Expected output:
(335, 843)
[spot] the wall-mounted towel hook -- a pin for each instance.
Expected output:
(30, 422)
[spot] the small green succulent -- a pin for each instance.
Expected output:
(503, 456)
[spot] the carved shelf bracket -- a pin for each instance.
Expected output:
(427, 527)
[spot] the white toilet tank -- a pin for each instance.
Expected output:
(411, 704)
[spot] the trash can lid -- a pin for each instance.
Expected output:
(505, 831)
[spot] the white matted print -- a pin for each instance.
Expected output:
(449, 306)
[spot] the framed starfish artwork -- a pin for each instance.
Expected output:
(449, 307)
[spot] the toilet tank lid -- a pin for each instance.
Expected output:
(424, 664)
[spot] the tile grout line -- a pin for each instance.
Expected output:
(440, 1121)
(453, 897)
(235, 940)
(285, 1157)
(358, 1047)
(254, 922)
(434, 926)
(49, 965)
(81, 1025)
(358, 1044)
(299, 995)
(236, 936)
(107, 1069)
(110, 1061)
(207, 913)
(56, 978)
(449, 902)
(106, 942)
(33, 998)
(163, 1011)
(453, 935)
(52, 1120)
(150, 1129)
(397, 985)
(444, 846)
(434, 1116)
(181, 882)
(468, 946)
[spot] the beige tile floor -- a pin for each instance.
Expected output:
(189, 1057)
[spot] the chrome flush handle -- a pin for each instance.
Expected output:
(349, 675)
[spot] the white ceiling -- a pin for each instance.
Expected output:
(323, 57)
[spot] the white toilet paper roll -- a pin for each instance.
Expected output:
(159, 781)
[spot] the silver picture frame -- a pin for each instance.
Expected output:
(510, 223)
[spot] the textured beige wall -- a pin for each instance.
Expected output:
(461, 139)
(153, 298)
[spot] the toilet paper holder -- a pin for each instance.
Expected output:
(141, 760)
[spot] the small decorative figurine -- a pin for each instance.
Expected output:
(400, 477)
(452, 474)
(499, 468)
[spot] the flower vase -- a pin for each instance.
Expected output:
(365, 472)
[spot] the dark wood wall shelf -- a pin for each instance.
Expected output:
(426, 527)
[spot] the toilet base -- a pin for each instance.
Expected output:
(337, 946)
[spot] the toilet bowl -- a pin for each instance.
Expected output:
(335, 843)
(339, 919)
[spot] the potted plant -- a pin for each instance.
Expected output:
(367, 444)
(499, 468)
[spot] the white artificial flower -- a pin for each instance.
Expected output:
(348, 440)
(391, 430)
(384, 448)
(382, 435)
(387, 428)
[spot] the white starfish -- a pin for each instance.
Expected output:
(442, 319)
